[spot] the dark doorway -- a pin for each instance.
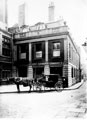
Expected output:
(22, 71)
(38, 71)
(56, 70)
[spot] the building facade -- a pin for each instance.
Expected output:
(46, 48)
(5, 55)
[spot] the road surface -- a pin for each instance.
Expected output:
(50, 105)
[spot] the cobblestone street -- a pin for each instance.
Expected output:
(44, 105)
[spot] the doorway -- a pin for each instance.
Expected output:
(22, 71)
(56, 70)
(38, 71)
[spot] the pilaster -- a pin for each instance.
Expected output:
(15, 72)
(30, 72)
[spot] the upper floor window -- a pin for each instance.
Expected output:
(38, 50)
(70, 51)
(5, 39)
(23, 48)
(56, 49)
(6, 42)
(72, 72)
(22, 51)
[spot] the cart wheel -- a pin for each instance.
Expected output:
(58, 87)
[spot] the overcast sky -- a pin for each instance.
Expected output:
(74, 12)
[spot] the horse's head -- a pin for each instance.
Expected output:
(10, 80)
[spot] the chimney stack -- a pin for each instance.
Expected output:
(22, 14)
(51, 12)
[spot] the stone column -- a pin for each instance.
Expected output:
(46, 51)
(29, 68)
(46, 67)
(30, 58)
(30, 72)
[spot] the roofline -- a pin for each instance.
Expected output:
(8, 33)
(73, 43)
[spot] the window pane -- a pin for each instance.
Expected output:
(38, 50)
(56, 53)
(56, 46)
(39, 54)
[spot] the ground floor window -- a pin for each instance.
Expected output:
(6, 74)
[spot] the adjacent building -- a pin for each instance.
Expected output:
(5, 44)
(5, 55)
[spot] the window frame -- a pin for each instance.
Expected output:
(38, 51)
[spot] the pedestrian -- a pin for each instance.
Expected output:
(60, 81)
(17, 84)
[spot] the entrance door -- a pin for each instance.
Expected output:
(22, 71)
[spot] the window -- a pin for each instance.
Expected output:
(38, 50)
(72, 71)
(6, 42)
(23, 48)
(6, 52)
(69, 51)
(6, 73)
(56, 49)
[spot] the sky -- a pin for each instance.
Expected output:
(74, 12)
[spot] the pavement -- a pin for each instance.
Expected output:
(13, 88)
(75, 86)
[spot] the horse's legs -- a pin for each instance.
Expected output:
(18, 87)
(30, 88)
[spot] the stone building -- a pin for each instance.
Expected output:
(46, 48)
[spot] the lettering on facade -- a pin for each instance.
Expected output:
(22, 35)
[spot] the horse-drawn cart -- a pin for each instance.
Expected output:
(54, 81)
